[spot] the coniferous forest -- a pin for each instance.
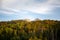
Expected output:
(30, 30)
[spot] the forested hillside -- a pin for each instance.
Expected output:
(30, 30)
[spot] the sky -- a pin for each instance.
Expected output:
(29, 9)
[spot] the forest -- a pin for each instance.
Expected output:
(30, 30)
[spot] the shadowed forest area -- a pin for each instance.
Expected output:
(30, 30)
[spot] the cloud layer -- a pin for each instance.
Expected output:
(31, 9)
(35, 6)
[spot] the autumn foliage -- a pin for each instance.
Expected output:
(30, 30)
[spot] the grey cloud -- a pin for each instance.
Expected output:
(38, 6)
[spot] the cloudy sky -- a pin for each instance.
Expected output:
(29, 9)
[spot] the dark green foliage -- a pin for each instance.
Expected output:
(30, 30)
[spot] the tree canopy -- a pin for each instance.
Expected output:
(30, 30)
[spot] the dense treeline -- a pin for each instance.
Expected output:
(30, 30)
